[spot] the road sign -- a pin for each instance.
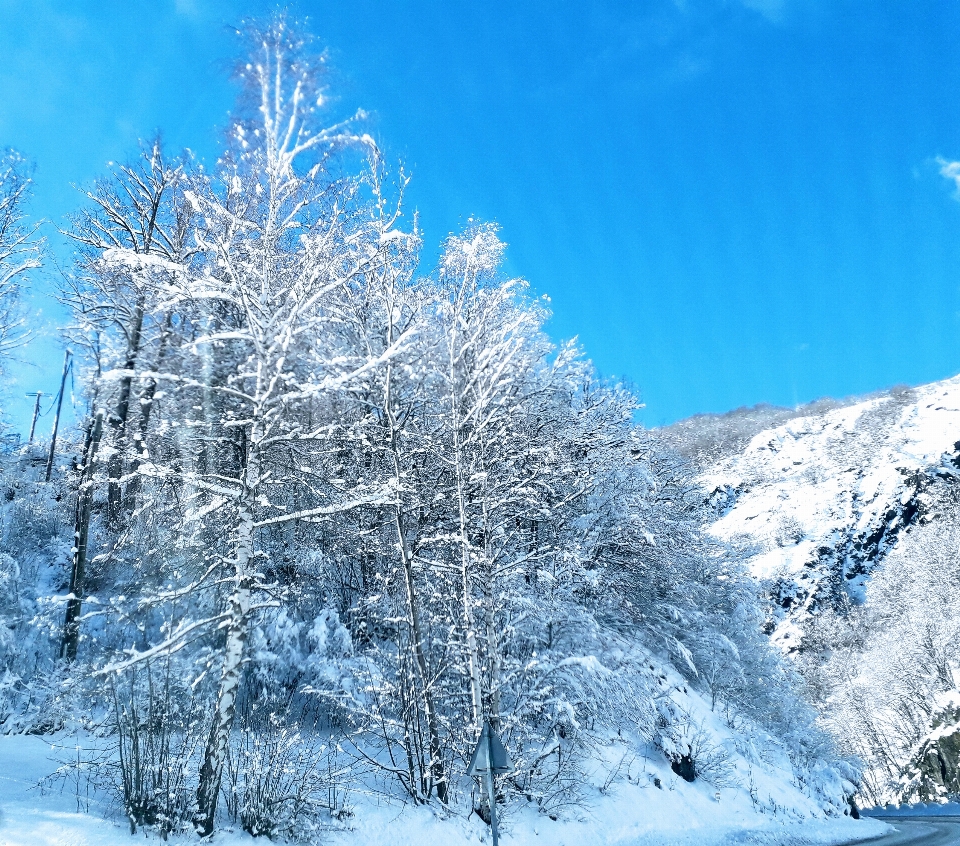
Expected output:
(490, 758)
(489, 746)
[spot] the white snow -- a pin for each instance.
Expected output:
(816, 480)
(630, 813)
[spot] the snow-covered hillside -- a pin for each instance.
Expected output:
(817, 500)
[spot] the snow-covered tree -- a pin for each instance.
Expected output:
(20, 249)
(132, 232)
(337, 493)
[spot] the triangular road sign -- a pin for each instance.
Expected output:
(489, 746)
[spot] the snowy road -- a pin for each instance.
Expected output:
(920, 831)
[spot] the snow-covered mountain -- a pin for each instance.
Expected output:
(817, 496)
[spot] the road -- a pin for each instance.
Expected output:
(919, 831)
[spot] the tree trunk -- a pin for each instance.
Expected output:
(469, 626)
(71, 623)
(413, 606)
(493, 644)
(140, 436)
(473, 652)
(233, 653)
(436, 751)
(494, 648)
(118, 420)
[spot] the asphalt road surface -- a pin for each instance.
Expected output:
(919, 831)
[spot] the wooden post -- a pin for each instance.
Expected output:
(36, 413)
(56, 418)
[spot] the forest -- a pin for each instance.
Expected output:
(330, 510)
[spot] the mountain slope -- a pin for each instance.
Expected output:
(815, 502)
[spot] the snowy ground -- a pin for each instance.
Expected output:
(633, 812)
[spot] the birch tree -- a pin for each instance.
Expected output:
(280, 238)
(276, 235)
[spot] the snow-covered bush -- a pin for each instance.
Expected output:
(156, 730)
(694, 753)
(277, 777)
(34, 556)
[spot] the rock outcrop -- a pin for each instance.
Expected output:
(934, 774)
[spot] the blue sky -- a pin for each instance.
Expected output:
(728, 201)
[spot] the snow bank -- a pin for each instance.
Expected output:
(630, 813)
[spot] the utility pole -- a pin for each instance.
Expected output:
(36, 412)
(56, 419)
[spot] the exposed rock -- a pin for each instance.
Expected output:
(934, 775)
(684, 767)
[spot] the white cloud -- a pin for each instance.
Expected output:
(950, 170)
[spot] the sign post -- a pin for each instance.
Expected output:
(490, 759)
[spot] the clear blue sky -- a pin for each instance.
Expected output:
(728, 201)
